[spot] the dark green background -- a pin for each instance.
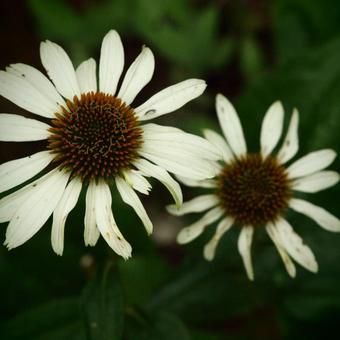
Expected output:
(254, 52)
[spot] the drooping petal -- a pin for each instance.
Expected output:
(294, 246)
(15, 128)
(18, 171)
(111, 62)
(22, 93)
(271, 130)
(137, 181)
(191, 232)
(231, 125)
(91, 232)
(170, 99)
(210, 247)
(86, 76)
(197, 204)
(312, 162)
(32, 214)
(244, 248)
(162, 175)
(183, 164)
(129, 196)
(60, 69)
(176, 140)
(290, 145)
(316, 182)
(207, 183)
(218, 141)
(38, 80)
(106, 223)
(67, 202)
(321, 216)
(275, 237)
(137, 76)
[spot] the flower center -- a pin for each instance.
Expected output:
(95, 136)
(254, 191)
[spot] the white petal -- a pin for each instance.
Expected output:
(32, 214)
(67, 202)
(22, 93)
(179, 163)
(91, 232)
(179, 151)
(130, 197)
(106, 223)
(170, 99)
(244, 248)
(137, 181)
(111, 62)
(271, 128)
(179, 141)
(11, 203)
(207, 183)
(275, 237)
(219, 142)
(162, 175)
(210, 247)
(290, 145)
(321, 216)
(18, 171)
(197, 204)
(312, 162)
(39, 81)
(15, 128)
(137, 76)
(86, 75)
(293, 244)
(191, 232)
(60, 69)
(231, 125)
(316, 182)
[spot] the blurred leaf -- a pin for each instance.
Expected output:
(103, 307)
(184, 35)
(151, 270)
(300, 25)
(55, 320)
(201, 293)
(56, 19)
(252, 62)
(158, 326)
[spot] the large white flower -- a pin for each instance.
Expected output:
(95, 137)
(254, 190)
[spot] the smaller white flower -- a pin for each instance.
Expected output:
(254, 190)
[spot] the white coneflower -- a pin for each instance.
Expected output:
(94, 138)
(254, 190)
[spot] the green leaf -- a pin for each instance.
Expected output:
(302, 25)
(56, 19)
(51, 321)
(165, 326)
(102, 306)
(184, 34)
(151, 270)
(203, 292)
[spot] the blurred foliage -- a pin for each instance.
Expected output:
(167, 292)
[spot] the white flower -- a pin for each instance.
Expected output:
(94, 138)
(254, 190)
